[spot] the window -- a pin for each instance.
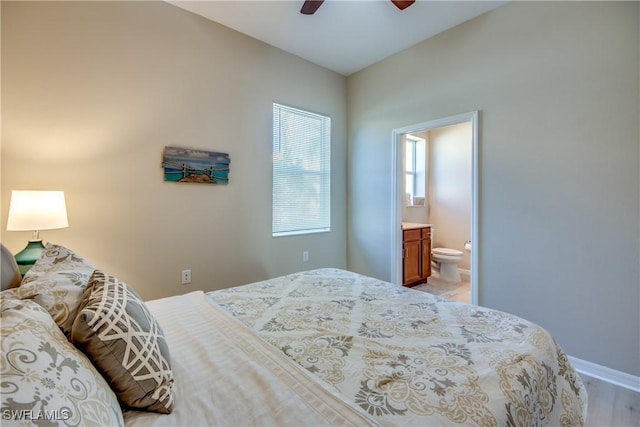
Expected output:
(410, 167)
(415, 166)
(301, 172)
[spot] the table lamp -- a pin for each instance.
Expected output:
(35, 211)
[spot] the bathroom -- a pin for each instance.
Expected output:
(438, 191)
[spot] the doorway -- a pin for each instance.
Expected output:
(398, 193)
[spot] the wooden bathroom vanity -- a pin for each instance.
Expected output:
(416, 253)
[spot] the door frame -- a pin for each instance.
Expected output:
(397, 196)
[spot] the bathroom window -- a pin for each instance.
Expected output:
(415, 167)
(301, 172)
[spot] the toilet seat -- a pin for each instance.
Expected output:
(447, 252)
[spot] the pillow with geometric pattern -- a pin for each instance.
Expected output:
(117, 332)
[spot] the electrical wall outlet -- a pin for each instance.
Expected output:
(186, 277)
(305, 256)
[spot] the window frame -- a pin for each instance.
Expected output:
(416, 172)
(411, 170)
(301, 223)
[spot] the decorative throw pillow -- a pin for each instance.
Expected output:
(44, 379)
(56, 282)
(117, 331)
(9, 273)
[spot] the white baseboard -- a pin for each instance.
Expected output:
(465, 273)
(603, 373)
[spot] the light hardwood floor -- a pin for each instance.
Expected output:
(609, 405)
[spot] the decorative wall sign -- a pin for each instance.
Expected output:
(190, 165)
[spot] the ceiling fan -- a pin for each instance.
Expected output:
(310, 6)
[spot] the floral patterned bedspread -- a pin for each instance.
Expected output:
(410, 358)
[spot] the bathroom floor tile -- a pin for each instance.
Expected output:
(460, 292)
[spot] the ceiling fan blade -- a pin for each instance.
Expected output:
(403, 4)
(310, 6)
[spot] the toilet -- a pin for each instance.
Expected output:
(448, 260)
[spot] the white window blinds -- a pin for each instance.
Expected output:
(301, 172)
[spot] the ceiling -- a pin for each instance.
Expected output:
(343, 35)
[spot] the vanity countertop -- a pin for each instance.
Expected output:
(411, 225)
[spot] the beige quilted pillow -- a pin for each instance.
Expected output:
(117, 331)
(45, 379)
(56, 282)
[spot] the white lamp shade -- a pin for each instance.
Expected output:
(37, 210)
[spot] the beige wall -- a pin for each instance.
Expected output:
(557, 87)
(93, 91)
(450, 185)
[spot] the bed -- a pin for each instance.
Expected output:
(320, 347)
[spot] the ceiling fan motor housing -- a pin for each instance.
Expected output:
(309, 7)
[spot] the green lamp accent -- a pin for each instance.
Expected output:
(35, 211)
(29, 255)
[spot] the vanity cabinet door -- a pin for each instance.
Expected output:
(426, 253)
(411, 253)
(416, 255)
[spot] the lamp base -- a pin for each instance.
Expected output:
(29, 255)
